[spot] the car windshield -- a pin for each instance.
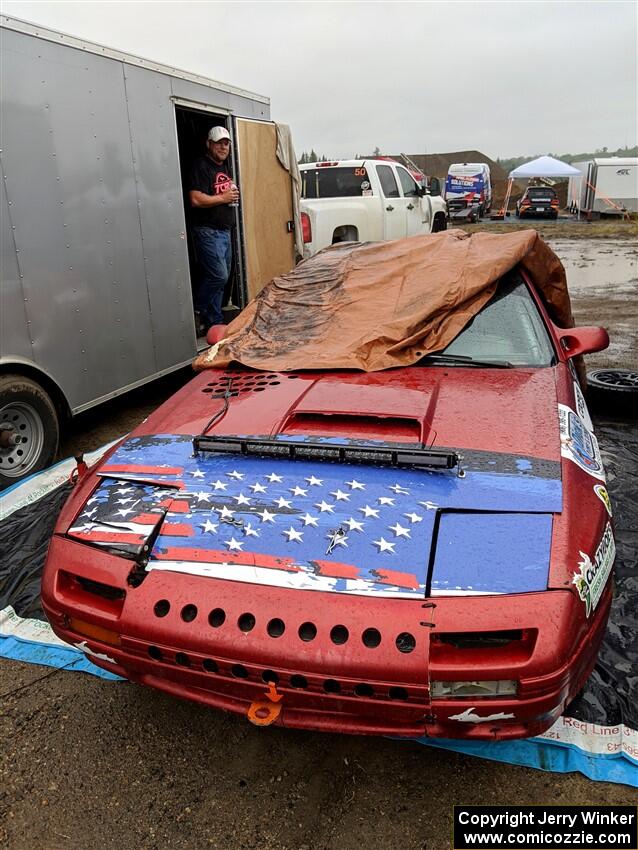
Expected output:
(509, 330)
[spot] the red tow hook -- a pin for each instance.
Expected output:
(80, 470)
(265, 712)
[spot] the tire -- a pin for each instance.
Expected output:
(29, 428)
(439, 223)
(613, 391)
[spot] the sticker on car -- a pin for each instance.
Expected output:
(578, 443)
(591, 577)
(601, 491)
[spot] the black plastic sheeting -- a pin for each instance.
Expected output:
(24, 541)
(610, 696)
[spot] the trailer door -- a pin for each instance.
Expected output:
(266, 210)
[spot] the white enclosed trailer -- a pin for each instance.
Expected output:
(97, 280)
(609, 186)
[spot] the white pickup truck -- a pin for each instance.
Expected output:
(364, 200)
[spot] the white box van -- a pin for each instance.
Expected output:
(469, 183)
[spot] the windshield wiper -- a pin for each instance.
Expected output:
(464, 360)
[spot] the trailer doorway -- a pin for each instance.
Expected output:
(192, 133)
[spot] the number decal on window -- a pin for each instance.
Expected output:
(360, 172)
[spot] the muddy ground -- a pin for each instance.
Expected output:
(92, 764)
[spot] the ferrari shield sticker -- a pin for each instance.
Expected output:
(578, 443)
(601, 491)
(591, 578)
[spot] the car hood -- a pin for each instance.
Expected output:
(482, 527)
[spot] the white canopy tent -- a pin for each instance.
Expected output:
(543, 166)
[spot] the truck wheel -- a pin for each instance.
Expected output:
(29, 429)
(613, 391)
(439, 223)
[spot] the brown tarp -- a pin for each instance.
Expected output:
(372, 306)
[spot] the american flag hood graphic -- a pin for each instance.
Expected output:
(308, 524)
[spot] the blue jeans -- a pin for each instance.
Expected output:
(214, 257)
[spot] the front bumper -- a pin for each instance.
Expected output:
(296, 638)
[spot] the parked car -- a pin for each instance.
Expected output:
(421, 550)
(538, 202)
(364, 201)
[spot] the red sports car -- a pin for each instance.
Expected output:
(418, 550)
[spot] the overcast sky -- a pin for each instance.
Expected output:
(511, 78)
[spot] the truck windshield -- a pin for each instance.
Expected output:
(335, 182)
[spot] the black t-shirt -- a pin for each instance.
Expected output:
(211, 179)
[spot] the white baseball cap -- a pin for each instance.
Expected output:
(216, 134)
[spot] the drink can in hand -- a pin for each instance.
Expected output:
(233, 203)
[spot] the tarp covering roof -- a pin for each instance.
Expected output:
(544, 166)
(376, 305)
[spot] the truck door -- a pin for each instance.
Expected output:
(265, 205)
(417, 216)
(394, 206)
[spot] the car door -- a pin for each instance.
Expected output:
(394, 205)
(416, 216)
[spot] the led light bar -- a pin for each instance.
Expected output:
(308, 450)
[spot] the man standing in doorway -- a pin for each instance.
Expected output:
(212, 192)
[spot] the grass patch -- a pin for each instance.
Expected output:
(561, 230)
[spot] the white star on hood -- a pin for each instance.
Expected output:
(237, 475)
(293, 534)
(384, 546)
(324, 506)
(413, 517)
(340, 496)
(308, 519)
(356, 485)
(234, 545)
(399, 530)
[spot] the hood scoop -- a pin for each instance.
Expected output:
(354, 426)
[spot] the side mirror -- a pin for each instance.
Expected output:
(435, 186)
(586, 340)
(215, 333)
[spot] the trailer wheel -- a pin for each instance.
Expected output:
(613, 391)
(29, 428)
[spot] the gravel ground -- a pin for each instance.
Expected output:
(88, 763)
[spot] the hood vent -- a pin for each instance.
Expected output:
(243, 383)
(393, 428)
